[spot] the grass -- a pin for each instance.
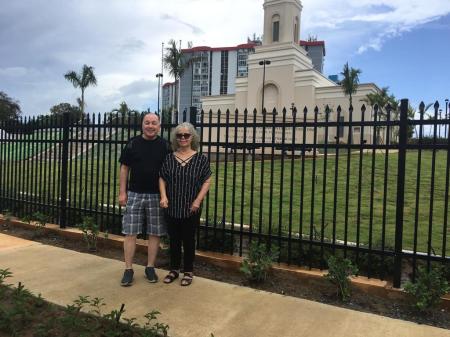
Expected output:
(323, 209)
(318, 213)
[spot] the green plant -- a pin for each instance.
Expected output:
(339, 272)
(428, 288)
(41, 220)
(7, 218)
(90, 231)
(152, 328)
(259, 262)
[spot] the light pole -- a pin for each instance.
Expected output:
(263, 63)
(446, 116)
(159, 76)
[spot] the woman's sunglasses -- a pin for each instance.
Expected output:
(183, 135)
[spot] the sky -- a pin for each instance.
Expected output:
(403, 44)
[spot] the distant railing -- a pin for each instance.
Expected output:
(370, 185)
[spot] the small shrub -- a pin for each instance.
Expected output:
(41, 220)
(339, 272)
(90, 231)
(259, 262)
(428, 288)
(7, 218)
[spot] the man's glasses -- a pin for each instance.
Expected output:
(183, 135)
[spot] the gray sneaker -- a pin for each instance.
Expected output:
(150, 274)
(127, 279)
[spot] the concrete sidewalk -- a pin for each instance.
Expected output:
(205, 307)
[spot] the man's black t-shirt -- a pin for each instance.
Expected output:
(144, 158)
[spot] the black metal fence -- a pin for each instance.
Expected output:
(371, 185)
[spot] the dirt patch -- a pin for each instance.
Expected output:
(281, 283)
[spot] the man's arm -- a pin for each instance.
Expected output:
(123, 179)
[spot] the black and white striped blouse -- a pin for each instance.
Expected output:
(183, 183)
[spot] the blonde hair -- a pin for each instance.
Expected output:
(195, 139)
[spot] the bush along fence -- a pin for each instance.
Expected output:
(370, 185)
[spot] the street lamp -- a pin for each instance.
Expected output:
(159, 76)
(263, 63)
(446, 116)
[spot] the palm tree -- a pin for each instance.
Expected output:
(173, 63)
(82, 81)
(350, 81)
(382, 99)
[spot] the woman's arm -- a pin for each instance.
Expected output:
(201, 195)
(164, 202)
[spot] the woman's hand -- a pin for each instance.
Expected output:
(195, 206)
(164, 202)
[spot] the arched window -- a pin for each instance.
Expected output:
(275, 28)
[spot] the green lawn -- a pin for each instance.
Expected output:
(278, 216)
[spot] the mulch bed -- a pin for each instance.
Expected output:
(281, 283)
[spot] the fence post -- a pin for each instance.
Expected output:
(403, 134)
(64, 166)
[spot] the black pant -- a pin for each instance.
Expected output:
(182, 233)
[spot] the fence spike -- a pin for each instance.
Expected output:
(422, 108)
(363, 108)
(436, 105)
(350, 108)
(339, 109)
(305, 110)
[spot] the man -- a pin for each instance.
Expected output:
(140, 162)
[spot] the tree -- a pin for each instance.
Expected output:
(173, 63)
(122, 114)
(62, 108)
(82, 81)
(382, 99)
(350, 81)
(9, 108)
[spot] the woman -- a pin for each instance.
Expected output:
(183, 183)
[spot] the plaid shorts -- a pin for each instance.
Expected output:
(143, 208)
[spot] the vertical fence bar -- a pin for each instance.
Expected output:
(252, 176)
(208, 196)
(433, 171)
(216, 190)
(29, 172)
(347, 181)
(64, 166)
(233, 193)
(55, 136)
(291, 190)
(261, 195)
(372, 181)
(272, 168)
(313, 188)
(418, 178)
(385, 190)
(302, 183)
(225, 176)
(336, 176)
(324, 186)
(403, 137)
(244, 159)
(447, 171)
(280, 205)
(358, 210)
